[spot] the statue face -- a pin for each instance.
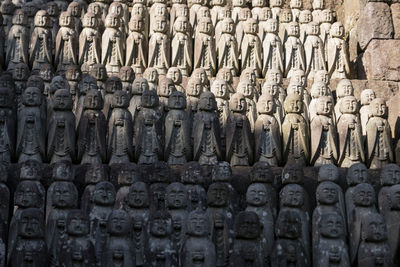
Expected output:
(120, 99)
(272, 26)
(30, 224)
(161, 226)
(177, 100)
(207, 102)
(112, 21)
(118, 223)
(66, 19)
(367, 96)
(41, 19)
(93, 100)
(318, 4)
(88, 83)
(139, 9)
(62, 100)
(349, 105)
(327, 15)
(138, 196)
(357, 174)
(390, 175)
(166, 87)
(176, 196)
(364, 195)
(296, 3)
(292, 195)
(126, 74)
(313, 29)
(327, 193)
(72, 73)
(322, 76)
(374, 228)
(257, 3)
(345, 88)
(337, 30)
(113, 84)
(104, 194)
(205, 25)
(266, 104)
(319, 89)
(245, 88)
(378, 107)
(395, 197)
(265, 14)
(238, 103)
(175, 75)
(247, 225)
(324, 106)
(161, 25)
(228, 25)
(89, 20)
(331, 225)
(222, 172)
(257, 195)
(198, 224)
(99, 72)
(305, 17)
(218, 195)
(294, 104)
(64, 195)
(285, 16)
(293, 29)
(274, 75)
(19, 18)
(219, 88)
(94, 174)
(139, 86)
(20, 72)
(75, 9)
(201, 74)
(116, 8)
(30, 170)
(94, 8)
(52, 9)
(27, 195)
(136, 24)
(151, 75)
(57, 83)
(276, 3)
(32, 97)
(288, 224)
(62, 171)
(149, 99)
(77, 224)
(225, 74)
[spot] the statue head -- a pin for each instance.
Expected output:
(28, 195)
(66, 19)
(266, 104)
(177, 100)
(183, 11)
(20, 72)
(274, 75)
(288, 224)
(203, 12)
(285, 16)
(322, 76)
(77, 223)
(113, 84)
(337, 30)
(99, 72)
(73, 73)
(31, 170)
(149, 99)
(319, 89)
(126, 74)
(237, 103)
(378, 107)
(93, 100)
(139, 86)
(62, 171)
(247, 225)
(225, 74)
(176, 196)
(373, 228)
(6, 97)
(258, 3)
(246, 88)
(228, 25)
(293, 104)
(331, 225)
(244, 14)
(136, 24)
(261, 173)
(117, 9)
(58, 82)
(95, 174)
(128, 175)
(112, 21)
(349, 105)
(207, 102)
(62, 100)
(344, 88)
(297, 4)
(198, 223)
(119, 223)
(364, 195)
(46, 72)
(194, 87)
(390, 175)
(139, 9)
(305, 16)
(313, 28)
(272, 26)
(276, 3)
(20, 18)
(104, 194)
(293, 29)
(324, 106)
(87, 83)
(31, 224)
(191, 173)
(175, 74)
(89, 20)
(357, 174)
(257, 195)
(42, 19)
(65, 195)
(205, 25)
(221, 172)
(52, 9)
(151, 75)
(160, 223)
(166, 87)
(181, 24)
(138, 196)
(327, 193)
(120, 99)
(218, 195)
(220, 89)
(265, 14)
(75, 9)
(270, 88)
(160, 24)
(328, 172)
(292, 195)
(251, 26)
(32, 97)
(367, 95)
(318, 4)
(238, 3)
(327, 16)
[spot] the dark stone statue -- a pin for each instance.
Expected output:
(7, 125)
(127, 175)
(41, 44)
(194, 181)
(18, 40)
(137, 45)
(112, 85)
(127, 76)
(66, 43)
(89, 43)
(139, 85)
(392, 218)
(73, 75)
(390, 175)
(94, 174)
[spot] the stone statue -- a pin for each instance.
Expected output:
(374, 249)
(73, 75)
(77, 249)
(116, 8)
(389, 176)
(237, 6)
(246, 88)
(120, 130)
(139, 8)
(272, 47)
(118, 249)
(177, 131)
(194, 181)
(175, 74)
(338, 54)
(20, 74)
(201, 73)
(318, 90)
(30, 10)
(275, 76)
(216, 10)
(91, 135)
(30, 248)
(366, 97)
(392, 220)
(182, 46)
(305, 17)
(193, 92)
(296, 6)
(127, 76)
(317, 6)
(276, 6)
(112, 45)
(198, 250)
(7, 125)
(227, 50)
(289, 249)
(203, 12)
(89, 43)
(66, 43)
(251, 47)
(239, 145)
(295, 130)
(76, 9)
(179, 8)
(351, 149)
(224, 13)
(58, 82)
(206, 131)
(53, 12)
(87, 83)
(193, 14)
(160, 46)
(99, 72)
(164, 90)
(267, 132)
(61, 129)
(344, 88)
(264, 15)
(294, 50)
(18, 40)
(138, 87)
(204, 47)
(314, 51)
(31, 127)
(161, 251)
(247, 249)
(272, 88)
(285, 18)
(136, 45)
(128, 175)
(151, 75)
(41, 45)
(148, 127)
(112, 85)
(7, 12)
(158, 9)
(226, 75)
(47, 73)
(331, 249)
(379, 136)
(257, 6)
(220, 89)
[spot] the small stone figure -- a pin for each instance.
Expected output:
(351, 148)
(194, 181)
(47, 73)
(151, 75)
(175, 74)
(76, 9)
(120, 127)
(247, 89)
(61, 129)
(136, 45)
(31, 127)
(198, 250)
(160, 46)
(220, 89)
(390, 175)
(374, 249)
(237, 6)
(206, 132)
(87, 83)
(338, 54)
(53, 12)
(227, 50)
(20, 74)
(267, 130)
(318, 90)
(182, 46)
(392, 216)
(251, 47)
(224, 13)
(204, 47)
(126, 177)
(158, 9)
(161, 251)
(73, 75)
(193, 92)
(113, 84)
(164, 90)
(264, 15)
(239, 147)
(148, 127)
(18, 40)
(285, 18)
(112, 45)
(314, 51)
(276, 6)
(7, 125)
(66, 43)
(177, 131)
(176, 11)
(7, 12)
(344, 88)
(127, 76)
(138, 87)
(272, 47)
(193, 14)
(317, 6)
(379, 136)
(296, 6)
(91, 135)
(41, 44)
(201, 73)
(89, 43)
(366, 97)
(305, 18)
(294, 50)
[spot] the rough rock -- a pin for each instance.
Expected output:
(396, 19)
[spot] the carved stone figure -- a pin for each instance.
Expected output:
(73, 75)
(275, 76)
(193, 13)
(47, 73)
(7, 11)
(272, 47)
(390, 175)
(317, 6)
(66, 43)
(53, 12)
(182, 46)
(338, 55)
(248, 91)
(164, 90)
(31, 127)
(127, 76)
(194, 181)
(30, 10)
(193, 92)
(58, 82)
(344, 88)
(251, 47)
(61, 128)
(379, 136)
(158, 9)
(351, 149)
(276, 6)
(285, 18)
(89, 43)
(239, 147)
(305, 17)
(314, 51)
(136, 45)
(177, 131)
(294, 50)
(20, 74)
(224, 13)
(7, 125)
(237, 6)
(41, 44)
(160, 46)
(148, 127)
(175, 74)
(206, 131)
(120, 127)
(176, 11)
(318, 90)
(76, 9)
(366, 97)
(220, 89)
(227, 50)
(85, 85)
(151, 75)
(18, 40)
(201, 73)
(91, 135)
(138, 87)
(204, 47)
(112, 85)
(296, 6)
(392, 221)
(267, 132)
(112, 45)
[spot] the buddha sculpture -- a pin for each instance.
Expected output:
(182, 45)
(7, 125)
(314, 51)
(41, 44)
(276, 7)
(73, 75)
(389, 176)
(66, 43)
(337, 53)
(224, 13)
(94, 174)
(175, 74)
(18, 40)
(89, 43)
(248, 91)
(305, 17)
(220, 89)
(116, 8)
(237, 6)
(318, 90)
(265, 14)
(201, 73)
(285, 18)
(138, 87)
(251, 47)
(175, 12)
(112, 45)
(76, 9)
(99, 72)
(275, 76)
(127, 76)
(158, 9)
(204, 47)
(227, 50)
(136, 45)
(151, 75)
(272, 47)
(139, 8)
(159, 46)
(366, 97)
(85, 85)
(164, 90)
(294, 50)
(127, 175)
(47, 73)
(113, 84)
(226, 75)
(344, 88)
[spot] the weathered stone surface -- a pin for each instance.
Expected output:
(374, 23)
(395, 8)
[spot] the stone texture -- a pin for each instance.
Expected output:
(374, 23)
(395, 8)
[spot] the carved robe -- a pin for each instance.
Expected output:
(89, 48)
(18, 45)
(251, 53)
(379, 142)
(314, 54)
(112, 50)
(41, 47)
(66, 48)
(159, 52)
(267, 137)
(294, 55)
(323, 141)
(227, 53)
(182, 49)
(205, 53)
(136, 51)
(273, 53)
(295, 134)
(338, 58)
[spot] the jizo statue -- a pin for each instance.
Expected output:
(127, 76)
(264, 15)
(113, 45)
(294, 50)
(89, 43)
(337, 53)
(18, 40)
(66, 43)
(285, 18)
(344, 88)
(41, 44)
(175, 74)
(305, 17)
(366, 97)
(272, 47)
(227, 49)
(314, 51)
(182, 46)
(204, 47)
(159, 46)
(251, 47)
(136, 45)
(220, 89)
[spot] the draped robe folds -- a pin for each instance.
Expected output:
(18, 45)
(379, 142)
(66, 50)
(267, 137)
(41, 47)
(315, 55)
(294, 55)
(251, 53)
(205, 53)
(89, 48)
(272, 53)
(295, 137)
(338, 58)
(323, 140)
(136, 51)
(227, 52)
(159, 52)
(7, 134)
(120, 137)
(182, 48)
(112, 50)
